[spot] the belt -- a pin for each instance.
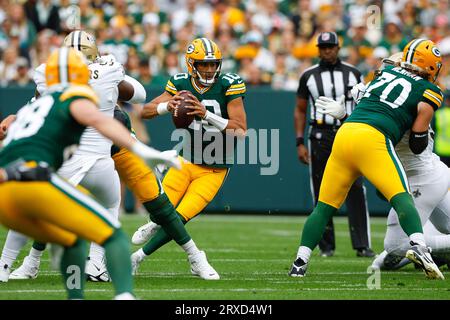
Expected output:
(318, 125)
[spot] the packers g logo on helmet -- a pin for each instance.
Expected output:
(422, 55)
(203, 50)
(66, 65)
(82, 41)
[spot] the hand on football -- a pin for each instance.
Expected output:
(173, 103)
(197, 108)
(336, 109)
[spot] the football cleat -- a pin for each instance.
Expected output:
(394, 262)
(200, 267)
(421, 256)
(144, 233)
(136, 260)
(125, 296)
(28, 270)
(96, 271)
(298, 268)
(5, 271)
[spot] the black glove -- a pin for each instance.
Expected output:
(21, 171)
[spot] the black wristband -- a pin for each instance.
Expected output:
(299, 141)
(418, 141)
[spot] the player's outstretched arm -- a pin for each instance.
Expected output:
(299, 125)
(86, 113)
(418, 139)
(131, 90)
(4, 125)
(162, 104)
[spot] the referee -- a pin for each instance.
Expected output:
(331, 78)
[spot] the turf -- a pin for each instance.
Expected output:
(253, 255)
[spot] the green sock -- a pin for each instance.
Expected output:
(118, 262)
(72, 268)
(159, 239)
(315, 224)
(39, 246)
(163, 213)
(407, 213)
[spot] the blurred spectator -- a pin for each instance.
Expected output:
(373, 62)
(89, 18)
(304, 20)
(199, 15)
(22, 77)
(283, 78)
(393, 40)
(171, 64)
(226, 15)
(147, 78)
(356, 38)
(44, 14)
(22, 28)
(119, 44)
(8, 65)
(253, 49)
(227, 45)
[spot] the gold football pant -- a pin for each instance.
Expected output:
(53, 212)
(361, 150)
(135, 173)
(193, 187)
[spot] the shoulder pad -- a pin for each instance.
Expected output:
(79, 91)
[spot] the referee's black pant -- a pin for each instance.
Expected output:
(320, 143)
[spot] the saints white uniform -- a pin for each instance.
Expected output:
(91, 164)
(429, 181)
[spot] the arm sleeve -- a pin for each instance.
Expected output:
(235, 88)
(170, 86)
(302, 91)
(434, 97)
(139, 95)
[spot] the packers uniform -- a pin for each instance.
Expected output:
(132, 170)
(365, 143)
(45, 131)
(202, 173)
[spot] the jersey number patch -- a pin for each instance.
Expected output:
(389, 78)
(212, 106)
(29, 119)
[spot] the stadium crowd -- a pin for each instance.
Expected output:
(268, 42)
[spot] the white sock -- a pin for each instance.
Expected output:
(190, 247)
(304, 253)
(14, 243)
(439, 243)
(418, 238)
(140, 254)
(35, 255)
(378, 262)
(96, 253)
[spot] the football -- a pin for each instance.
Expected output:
(180, 118)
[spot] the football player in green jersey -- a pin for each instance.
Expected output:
(400, 98)
(216, 101)
(46, 131)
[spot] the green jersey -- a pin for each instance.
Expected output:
(123, 117)
(203, 143)
(45, 130)
(390, 101)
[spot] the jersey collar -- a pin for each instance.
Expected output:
(197, 88)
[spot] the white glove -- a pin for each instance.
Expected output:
(358, 91)
(155, 157)
(336, 109)
(162, 167)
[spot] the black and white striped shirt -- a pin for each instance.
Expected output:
(331, 81)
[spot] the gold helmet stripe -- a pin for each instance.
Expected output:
(63, 65)
(208, 46)
(412, 49)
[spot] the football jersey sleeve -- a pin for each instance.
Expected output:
(173, 83)
(433, 96)
(234, 86)
(106, 71)
(39, 79)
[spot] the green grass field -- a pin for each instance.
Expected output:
(253, 255)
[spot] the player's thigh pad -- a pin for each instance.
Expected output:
(137, 176)
(373, 154)
(176, 182)
(206, 183)
(58, 211)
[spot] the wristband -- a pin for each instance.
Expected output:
(162, 108)
(299, 141)
(215, 120)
